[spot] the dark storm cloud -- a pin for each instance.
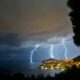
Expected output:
(25, 23)
(34, 19)
(9, 39)
(10, 53)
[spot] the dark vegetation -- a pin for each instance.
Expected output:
(75, 18)
(77, 58)
(70, 74)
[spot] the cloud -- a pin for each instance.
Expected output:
(33, 20)
(26, 23)
(10, 39)
(15, 41)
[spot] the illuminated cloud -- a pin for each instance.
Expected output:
(34, 20)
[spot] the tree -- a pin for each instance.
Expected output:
(75, 18)
(18, 76)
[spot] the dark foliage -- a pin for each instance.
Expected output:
(77, 58)
(71, 74)
(75, 18)
(18, 76)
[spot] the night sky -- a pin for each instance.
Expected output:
(26, 23)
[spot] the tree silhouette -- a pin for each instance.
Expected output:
(5, 75)
(75, 18)
(71, 74)
(18, 76)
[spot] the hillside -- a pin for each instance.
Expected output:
(77, 58)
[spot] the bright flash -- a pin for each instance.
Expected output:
(63, 41)
(32, 52)
(51, 51)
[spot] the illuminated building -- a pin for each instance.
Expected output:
(61, 65)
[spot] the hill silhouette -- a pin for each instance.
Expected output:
(77, 58)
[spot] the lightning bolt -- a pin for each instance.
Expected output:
(65, 48)
(32, 52)
(51, 51)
